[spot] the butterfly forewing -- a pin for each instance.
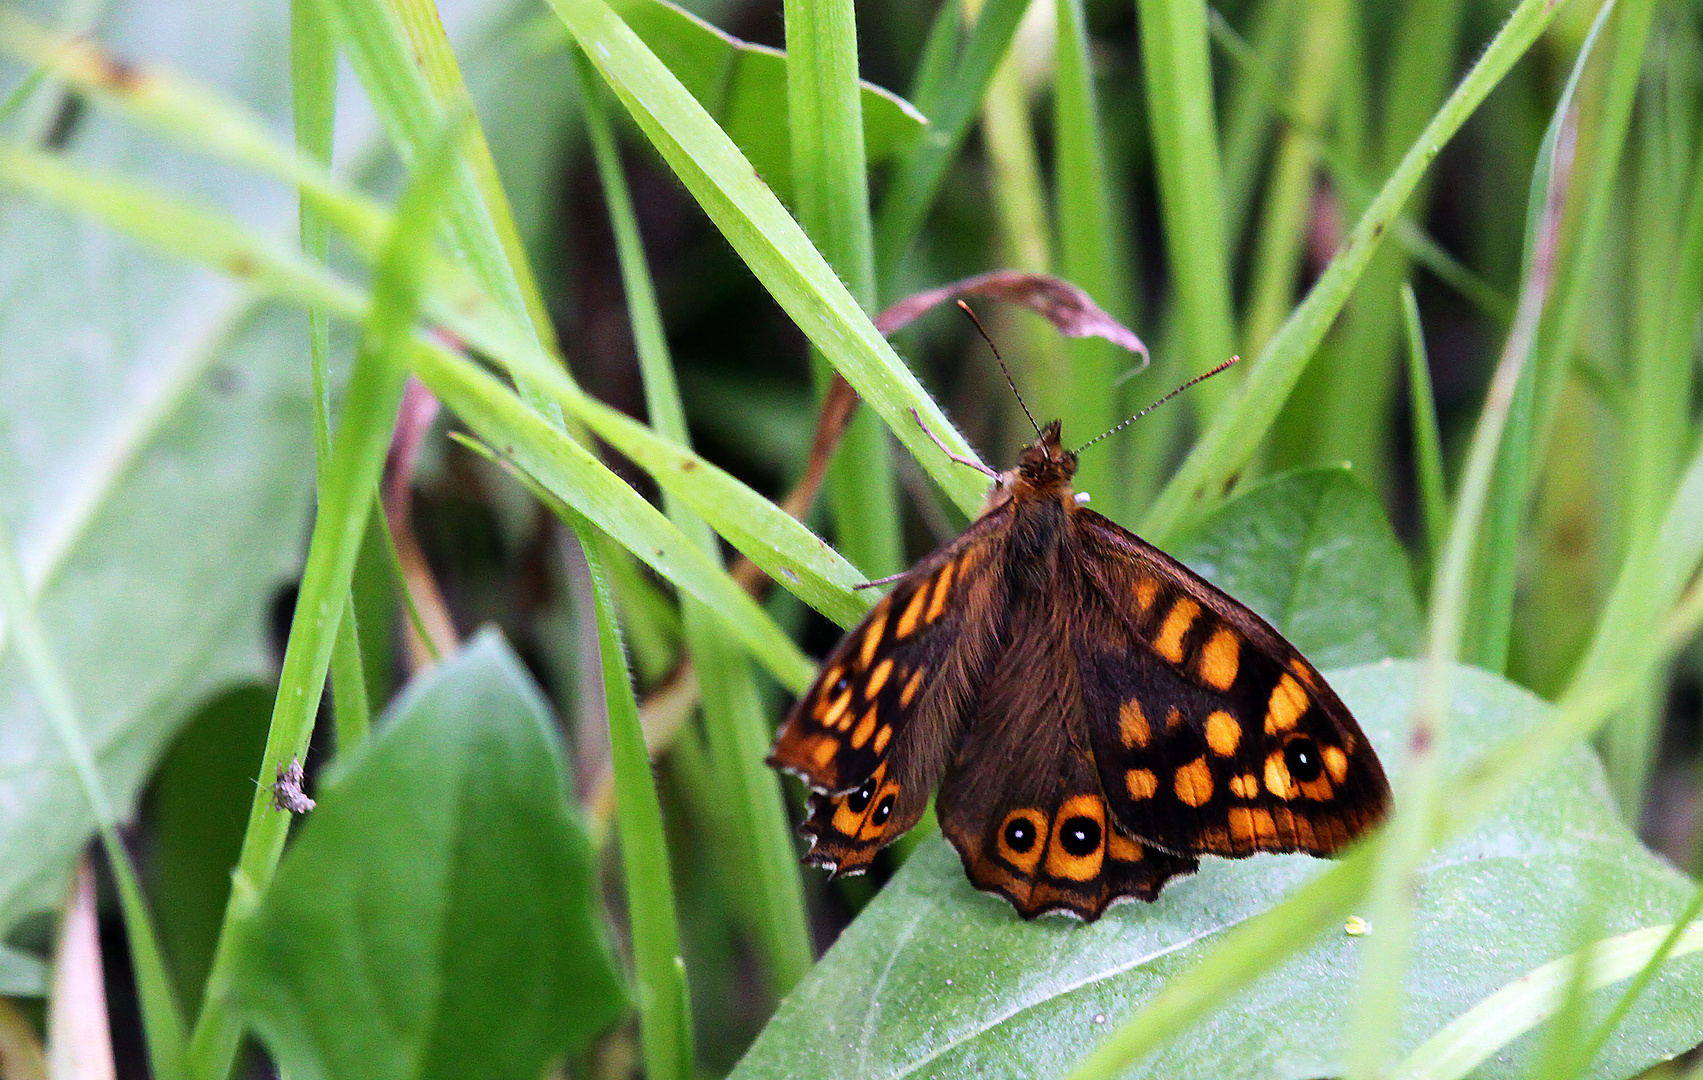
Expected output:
(1211, 733)
(874, 732)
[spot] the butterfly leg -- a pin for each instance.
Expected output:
(947, 450)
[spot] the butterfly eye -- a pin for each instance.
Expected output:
(1302, 757)
(860, 798)
(1079, 836)
(1019, 835)
(884, 811)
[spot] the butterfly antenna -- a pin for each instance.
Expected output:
(1156, 404)
(1008, 380)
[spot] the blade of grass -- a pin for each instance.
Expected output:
(1510, 1012)
(1249, 117)
(371, 399)
(1023, 235)
(1597, 174)
(313, 84)
(1347, 177)
(1088, 253)
(665, 1017)
(949, 96)
(1380, 1001)
(1289, 195)
(428, 45)
(733, 710)
(1177, 68)
(1356, 390)
(1606, 1027)
(206, 121)
(1657, 421)
(1234, 434)
(162, 1021)
(1648, 580)
(1427, 438)
(831, 178)
(769, 241)
(587, 484)
(393, 70)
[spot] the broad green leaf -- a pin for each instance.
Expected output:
(437, 915)
(743, 86)
(1314, 554)
(938, 979)
(155, 462)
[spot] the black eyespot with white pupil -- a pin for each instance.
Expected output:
(883, 811)
(1019, 835)
(839, 686)
(1079, 836)
(859, 799)
(1302, 757)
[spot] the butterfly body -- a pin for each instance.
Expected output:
(1094, 714)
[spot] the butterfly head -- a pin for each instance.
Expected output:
(1045, 462)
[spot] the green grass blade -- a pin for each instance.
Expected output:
(1178, 69)
(734, 718)
(570, 473)
(313, 82)
(162, 1021)
(1605, 1029)
(665, 1017)
(1248, 114)
(1089, 254)
(1427, 438)
(587, 484)
(1230, 441)
(391, 68)
(950, 105)
(770, 241)
(1510, 1012)
(831, 178)
(1289, 198)
(1417, 798)
(1348, 177)
(357, 459)
(1356, 387)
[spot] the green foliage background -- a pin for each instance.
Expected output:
(1458, 244)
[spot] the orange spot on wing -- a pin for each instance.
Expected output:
(942, 586)
(1220, 658)
(1193, 782)
(1223, 733)
(1169, 643)
(1132, 724)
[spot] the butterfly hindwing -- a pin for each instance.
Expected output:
(1210, 732)
(1021, 801)
(846, 831)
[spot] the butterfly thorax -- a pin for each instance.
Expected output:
(1038, 497)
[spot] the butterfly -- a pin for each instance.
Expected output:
(1096, 716)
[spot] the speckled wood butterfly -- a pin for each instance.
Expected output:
(1096, 715)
